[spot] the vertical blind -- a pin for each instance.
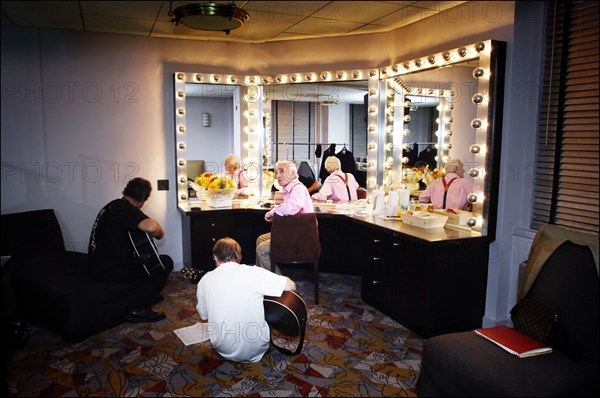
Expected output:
(566, 179)
(293, 122)
(358, 130)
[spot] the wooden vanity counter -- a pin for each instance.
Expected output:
(431, 281)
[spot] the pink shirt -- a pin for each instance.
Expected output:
(296, 199)
(239, 178)
(334, 187)
(457, 193)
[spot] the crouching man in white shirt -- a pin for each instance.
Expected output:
(230, 298)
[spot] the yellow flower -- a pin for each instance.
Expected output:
(205, 179)
(438, 173)
(220, 183)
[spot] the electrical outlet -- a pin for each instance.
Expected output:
(163, 185)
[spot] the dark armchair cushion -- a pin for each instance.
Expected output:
(55, 291)
(31, 232)
(569, 281)
(464, 364)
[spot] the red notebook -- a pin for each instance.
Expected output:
(513, 341)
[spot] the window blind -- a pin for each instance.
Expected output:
(566, 179)
(294, 123)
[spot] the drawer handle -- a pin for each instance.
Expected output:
(375, 282)
(396, 244)
(376, 240)
(376, 258)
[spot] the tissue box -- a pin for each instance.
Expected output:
(424, 219)
(460, 218)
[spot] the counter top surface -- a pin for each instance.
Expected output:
(358, 210)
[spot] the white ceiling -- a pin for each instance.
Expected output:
(269, 20)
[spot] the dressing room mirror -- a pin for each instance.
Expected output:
(465, 84)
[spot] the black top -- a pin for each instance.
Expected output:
(110, 250)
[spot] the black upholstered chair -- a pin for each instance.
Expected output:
(51, 285)
(295, 240)
(562, 272)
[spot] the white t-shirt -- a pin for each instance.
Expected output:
(230, 297)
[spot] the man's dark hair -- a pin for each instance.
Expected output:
(226, 250)
(420, 163)
(138, 189)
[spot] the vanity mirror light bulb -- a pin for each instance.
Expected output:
(181, 146)
(181, 163)
(477, 99)
(183, 197)
(406, 132)
(372, 146)
(181, 128)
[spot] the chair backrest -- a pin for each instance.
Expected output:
(31, 232)
(295, 239)
(361, 193)
(568, 280)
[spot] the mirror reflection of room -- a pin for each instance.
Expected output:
(421, 143)
(309, 122)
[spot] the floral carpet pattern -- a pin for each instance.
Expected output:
(350, 349)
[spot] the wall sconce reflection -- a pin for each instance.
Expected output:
(206, 120)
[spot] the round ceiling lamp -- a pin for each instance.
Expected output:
(210, 16)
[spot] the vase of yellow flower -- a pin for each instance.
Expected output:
(220, 192)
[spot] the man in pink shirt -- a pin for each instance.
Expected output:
(233, 170)
(296, 199)
(451, 191)
(338, 185)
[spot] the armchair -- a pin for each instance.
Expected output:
(51, 285)
(562, 271)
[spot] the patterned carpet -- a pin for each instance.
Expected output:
(350, 349)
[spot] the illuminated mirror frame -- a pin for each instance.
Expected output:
(487, 123)
(256, 134)
(397, 127)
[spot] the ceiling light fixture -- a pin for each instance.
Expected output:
(209, 16)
